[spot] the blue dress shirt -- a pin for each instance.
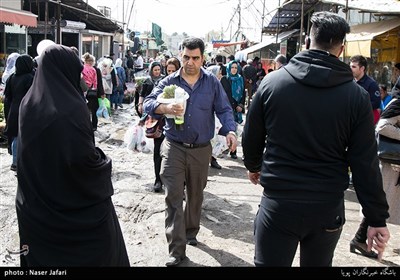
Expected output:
(206, 98)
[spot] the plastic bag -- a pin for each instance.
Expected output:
(218, 143)
(102, 112)
(239, 129)
(136, 140)
(148, 147)
(104, 102)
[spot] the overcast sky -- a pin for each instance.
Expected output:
(195, 17)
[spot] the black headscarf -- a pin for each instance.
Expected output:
(17, 86)
(64, 208)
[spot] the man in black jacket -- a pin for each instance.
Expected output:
(250, 77)
(306, 126)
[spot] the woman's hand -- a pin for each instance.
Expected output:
(140, 108)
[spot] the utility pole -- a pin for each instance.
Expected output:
(277, 26)
(262, 25)
(262, 20)
(58, 35)
(46, 18)
(240, 17)
(123, 28)
(347, 20)
(301, 26)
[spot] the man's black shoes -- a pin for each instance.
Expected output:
(174, 261)
(157, 187)
(214, 164)
(192, 241)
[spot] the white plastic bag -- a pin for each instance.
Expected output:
(148, 146)
(218, 143)
(239, 129)
(133, 137)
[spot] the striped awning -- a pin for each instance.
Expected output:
(20, 17)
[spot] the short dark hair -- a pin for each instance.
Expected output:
(397, 65)
(193, 43)
(231, 57)
(328, 29)
(219, 58)
(361, 60)
(281, 59)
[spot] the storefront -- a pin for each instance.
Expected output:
(81, 26)
(380, 43)
(270, 47)
(96, 43)
(13, 32)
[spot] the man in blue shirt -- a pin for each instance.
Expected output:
(186, 152)
(358, 65)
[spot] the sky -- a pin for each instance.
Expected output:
(194, 17)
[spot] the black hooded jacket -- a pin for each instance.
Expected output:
(309, 122)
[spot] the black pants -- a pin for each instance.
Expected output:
(280, 225)
(137, 103)
(361, 234)
(157, 157)
(93, 105)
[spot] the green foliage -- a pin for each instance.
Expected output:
(169, 92)
(139, 81)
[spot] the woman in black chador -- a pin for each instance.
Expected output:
(65, 213)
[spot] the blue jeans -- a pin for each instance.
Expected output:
(14, 150)
(114, 98)
(120, 96)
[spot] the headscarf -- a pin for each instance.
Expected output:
(14, 92)
(64, 180)
(155, 79)
(10, 66)
(118, 62)
(24, 64)
(237, 81)
(214, 69)
(105, 65)
(55, 91)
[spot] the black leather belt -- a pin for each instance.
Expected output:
(191, 146)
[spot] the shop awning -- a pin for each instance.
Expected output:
(242, 55)
(20, 17)
(228, 44)
(360, 38)
(75, 10)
